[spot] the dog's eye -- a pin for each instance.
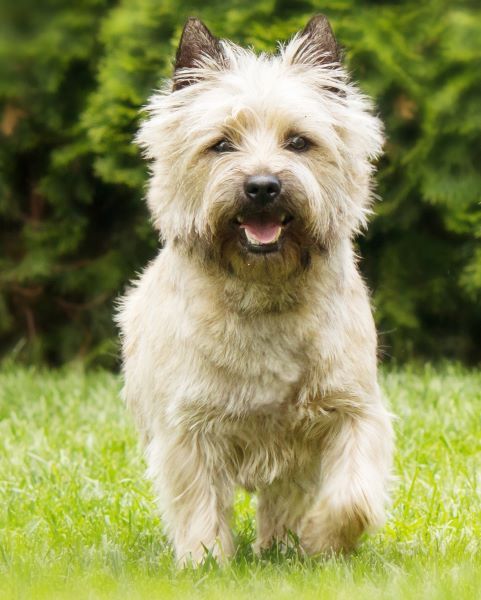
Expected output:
(298, 143)
(223, 146)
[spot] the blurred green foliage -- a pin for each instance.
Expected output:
(74, 230)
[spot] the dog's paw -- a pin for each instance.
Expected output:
(329, 534)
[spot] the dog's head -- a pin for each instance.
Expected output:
(260, 161)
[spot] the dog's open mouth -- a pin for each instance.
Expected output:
(262, 233)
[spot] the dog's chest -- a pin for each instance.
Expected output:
(257, 365)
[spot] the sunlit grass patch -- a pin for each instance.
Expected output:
(78, 519)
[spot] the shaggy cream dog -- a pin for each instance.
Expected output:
(249, 346)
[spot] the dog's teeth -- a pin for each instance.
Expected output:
(239, 219)
(253, 240)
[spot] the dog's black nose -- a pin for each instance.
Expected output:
(262, 188)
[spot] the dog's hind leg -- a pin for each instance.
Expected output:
(355, 470)
(195, 498)
(280, 508)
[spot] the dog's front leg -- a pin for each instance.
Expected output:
(355, 469)
(195, 496)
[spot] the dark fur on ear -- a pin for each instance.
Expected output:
(320, 46)
(196, 41)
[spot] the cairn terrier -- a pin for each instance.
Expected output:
(249, 346)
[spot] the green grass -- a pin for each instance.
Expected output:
(77, 517)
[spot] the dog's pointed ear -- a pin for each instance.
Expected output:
(196, 43)
(318, 45)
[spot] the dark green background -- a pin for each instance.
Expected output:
(74, 229)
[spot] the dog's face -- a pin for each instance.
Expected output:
(260, 161)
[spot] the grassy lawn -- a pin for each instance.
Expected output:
(77, 517)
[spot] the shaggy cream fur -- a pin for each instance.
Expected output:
(258, 368)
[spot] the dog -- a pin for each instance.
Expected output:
(249, 347)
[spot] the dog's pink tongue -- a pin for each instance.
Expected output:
(264, 233)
